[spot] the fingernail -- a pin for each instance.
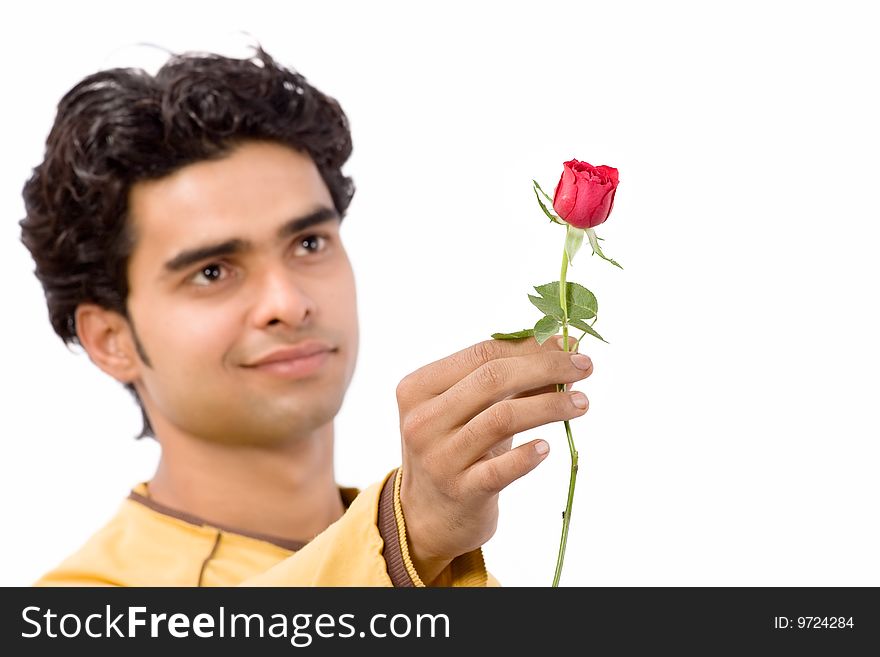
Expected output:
(579, 399)
(581, 361)
(542, 447)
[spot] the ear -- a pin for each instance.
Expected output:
(106, 337)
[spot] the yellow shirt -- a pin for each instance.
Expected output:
(147, 544)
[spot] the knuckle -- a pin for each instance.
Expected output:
(500, 418)
(491, 374)
(556, 403)
(468, 436)
(524, 463)
(551, 361)
(413, 424)
(491, 480)
(403, 388)
(483, 352)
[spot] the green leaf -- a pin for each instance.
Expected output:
(573, 239)
(583, 326)
(576, 295)
(535, 182)
(597, 250)
(547, 306)
(546, 328)
(579, 312)
(549, 291)
(525, 333)
(549, 214)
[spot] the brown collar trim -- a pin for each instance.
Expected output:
(285, 543)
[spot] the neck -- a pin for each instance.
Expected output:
(287, 491)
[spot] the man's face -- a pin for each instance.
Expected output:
(203, 319)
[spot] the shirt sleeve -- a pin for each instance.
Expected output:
(367, 547)
(465, 570)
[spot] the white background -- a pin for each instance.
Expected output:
(732, 433)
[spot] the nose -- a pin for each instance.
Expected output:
(278, 298)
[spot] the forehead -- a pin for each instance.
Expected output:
(245, 195)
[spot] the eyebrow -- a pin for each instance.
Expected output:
(189, 257)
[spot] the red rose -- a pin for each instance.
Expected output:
(584, 195)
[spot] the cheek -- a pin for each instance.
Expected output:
(198, 338)
(342, 309)
(346, 318)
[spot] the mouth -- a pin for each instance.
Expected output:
(294, 367)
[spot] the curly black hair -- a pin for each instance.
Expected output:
(121, 126)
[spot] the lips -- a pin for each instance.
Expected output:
(292, 352)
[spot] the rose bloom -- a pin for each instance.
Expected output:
(584, 195)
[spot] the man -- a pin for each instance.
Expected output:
(186, 229)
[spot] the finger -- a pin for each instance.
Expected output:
(492, 476)
(552, 387)
(506, 419)
(536, 391)
(496, 380)
(437, 377)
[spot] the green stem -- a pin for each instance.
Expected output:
(578, 343)
(566, 515)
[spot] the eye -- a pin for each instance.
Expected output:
(310, 242)
(208, 274)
